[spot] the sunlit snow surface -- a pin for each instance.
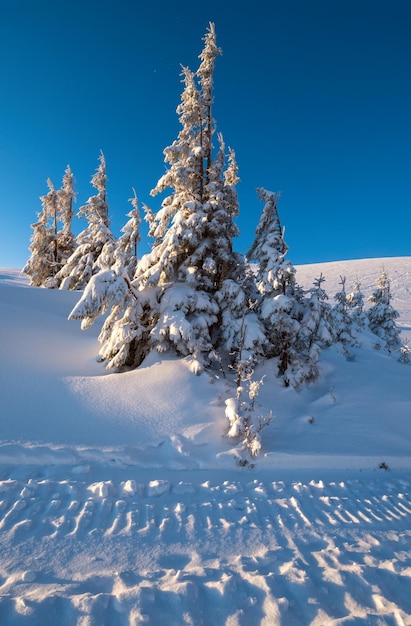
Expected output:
(121, 501)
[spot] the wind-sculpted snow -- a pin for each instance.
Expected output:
(203, 549)
(122, 501)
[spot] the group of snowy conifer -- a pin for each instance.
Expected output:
(192, 294)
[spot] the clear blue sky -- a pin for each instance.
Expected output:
(314, 96)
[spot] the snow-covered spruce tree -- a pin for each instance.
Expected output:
(82, 264)
(274, 274)
(280, 303)
(50, 209)
(124, 334)
(317, 322)
(192, 257)
(357, 313)
(381, 315)
(186, 310)
(238, 321)
(316, 331)
(61, 212)
(349, 320)
(66, 196)
(130, 238)
(38, 266)
(50, 244)
(342, 322)
(172, 302)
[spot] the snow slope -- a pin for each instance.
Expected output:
(121, 501)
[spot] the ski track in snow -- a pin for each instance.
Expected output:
(243, 550)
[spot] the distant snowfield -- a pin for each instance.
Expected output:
(121, 501)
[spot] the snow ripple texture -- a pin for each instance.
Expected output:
(255, 551)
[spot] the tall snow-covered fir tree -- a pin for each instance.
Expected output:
(349, 319)
(315, 333)
(237, 321)
(39, 265)
(192, 257)
(358, 315)
(131, 237)
(83, 262)
(280, 298)
(124, 334)
(173, 303)
(50, 208)
(66, 196)
(275, 275)
(382, 315)
(317, 321)
(355, 301)
(342, 322)
(51, 245)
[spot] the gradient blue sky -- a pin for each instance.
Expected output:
(314, 96)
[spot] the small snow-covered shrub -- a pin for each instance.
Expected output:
(405, 352)
(243, 421)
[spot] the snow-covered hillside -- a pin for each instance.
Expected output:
(121, 501)
(366, 271)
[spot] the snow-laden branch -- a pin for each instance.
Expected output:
(103, 289)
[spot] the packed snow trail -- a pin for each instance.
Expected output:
(86, 545)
